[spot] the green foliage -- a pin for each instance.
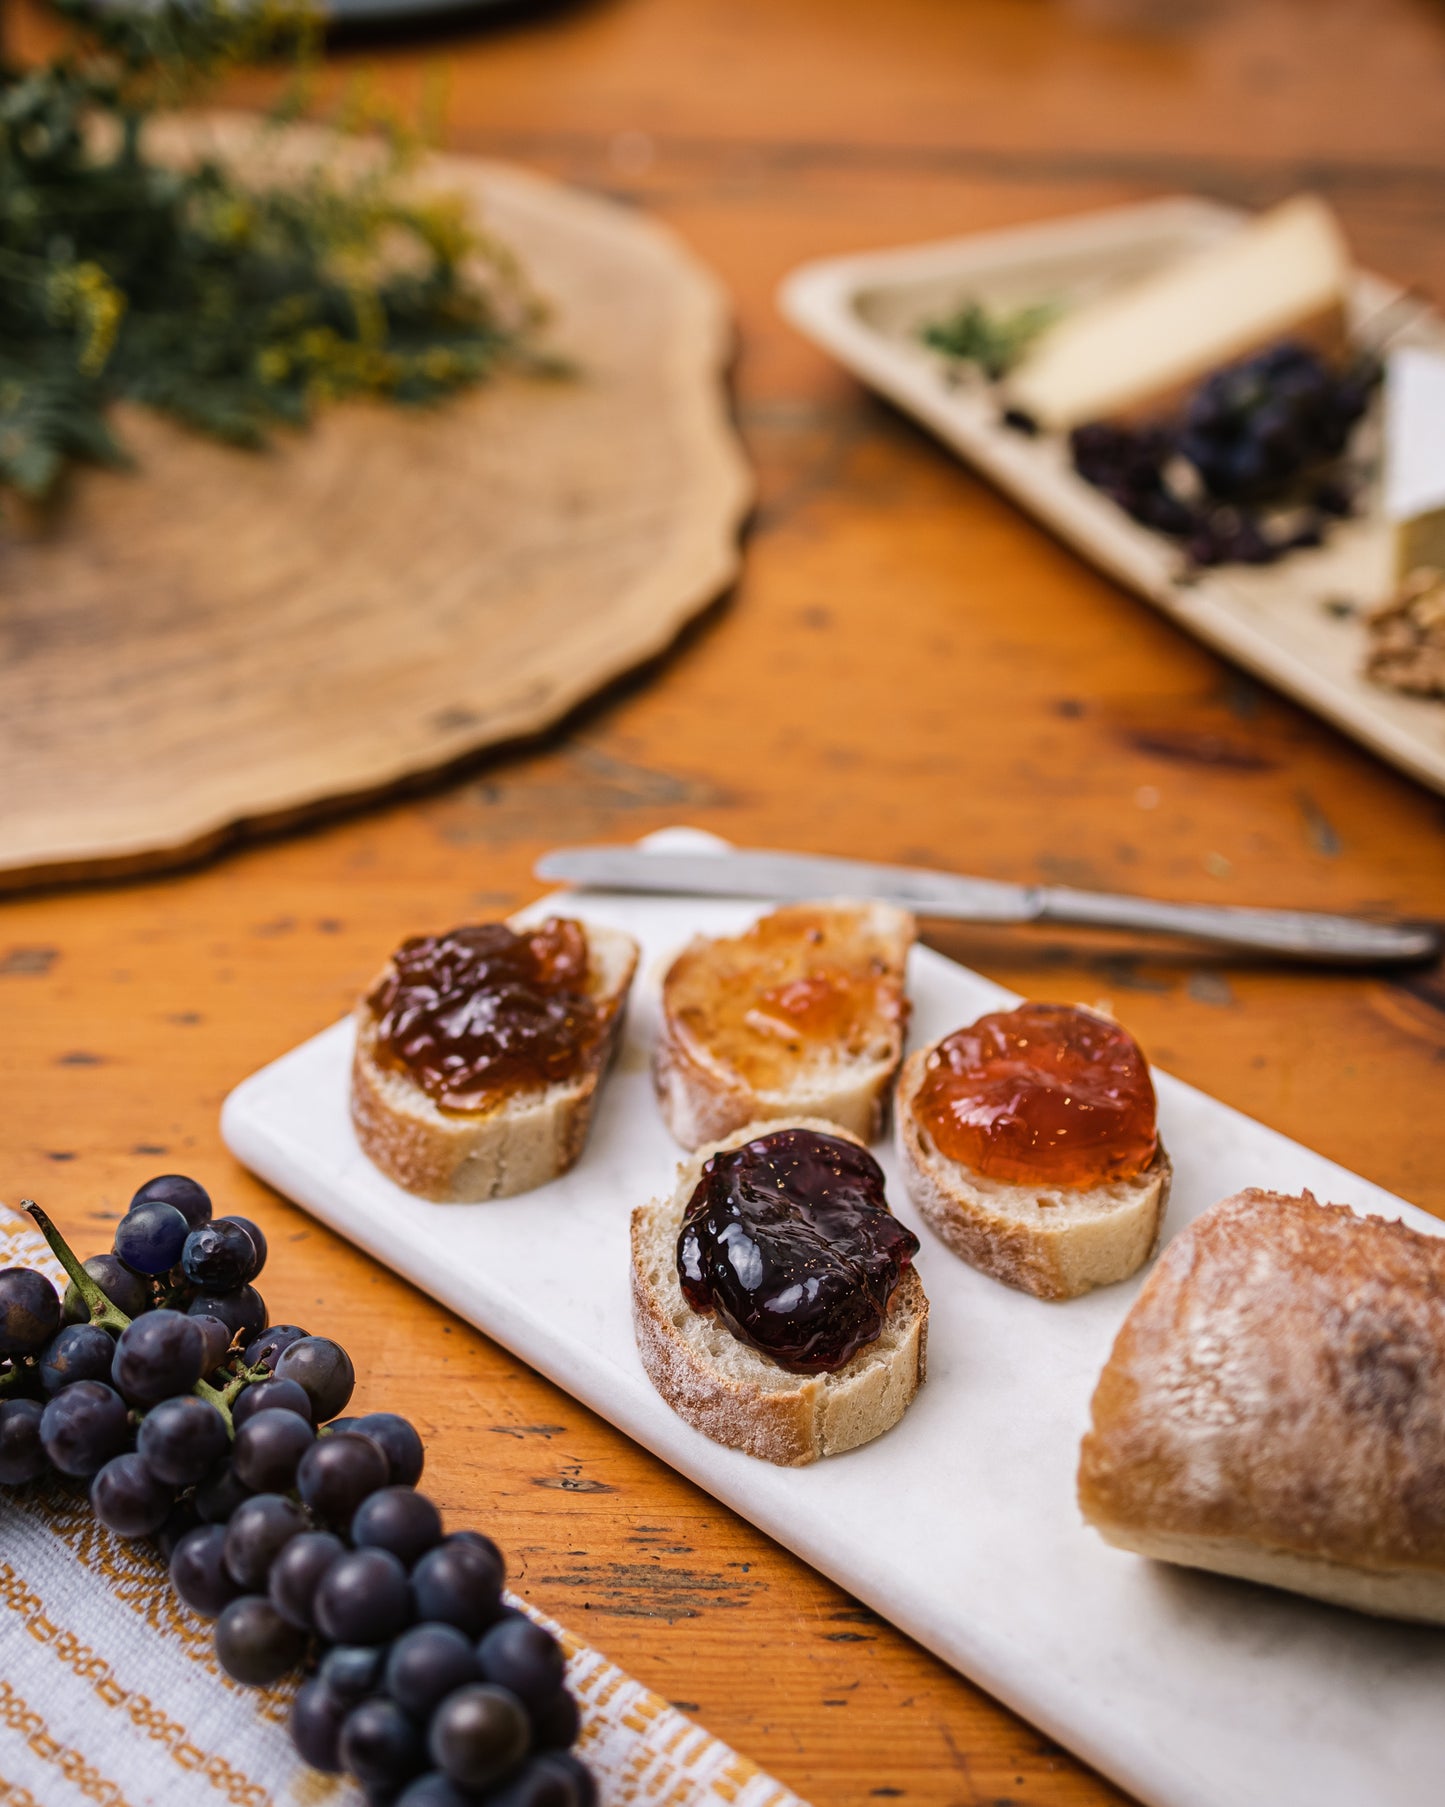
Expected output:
(233, 307)
(992, 338)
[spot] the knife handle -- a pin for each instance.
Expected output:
(1301, 934)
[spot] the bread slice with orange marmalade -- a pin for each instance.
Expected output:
(801, 1015)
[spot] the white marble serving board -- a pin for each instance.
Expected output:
(1285, 621)
(960, 1524)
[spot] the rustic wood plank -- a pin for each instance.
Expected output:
(234, 637)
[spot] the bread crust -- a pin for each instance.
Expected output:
(522, 1141)
(757, 1406)
(703, 1098)
(1274, 1407)
(1051, 1243)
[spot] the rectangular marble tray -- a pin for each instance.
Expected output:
(1284, 622)
(960, 1524)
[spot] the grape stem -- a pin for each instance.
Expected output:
(223, 1398)
(102, 1311)
(10, 1379)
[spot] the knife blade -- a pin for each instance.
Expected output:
(759, 873)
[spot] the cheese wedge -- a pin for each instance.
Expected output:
(1141, 350)
(1415, 459)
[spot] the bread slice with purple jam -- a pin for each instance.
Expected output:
(735, 1393)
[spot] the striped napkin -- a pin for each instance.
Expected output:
(110, 1695)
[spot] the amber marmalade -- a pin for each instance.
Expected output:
(1043, 1095)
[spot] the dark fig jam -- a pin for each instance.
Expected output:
(790, 1241)
(486, 1011)
(1045, 1095)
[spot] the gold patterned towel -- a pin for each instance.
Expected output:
(110, 1695)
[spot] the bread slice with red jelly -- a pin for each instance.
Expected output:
(1029, 1143)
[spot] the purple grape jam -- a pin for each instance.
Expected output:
(790, 1241)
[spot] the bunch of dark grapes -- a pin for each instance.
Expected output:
(1251, 470)
(158, 1382)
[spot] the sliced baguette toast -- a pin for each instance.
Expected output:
(735, 1394)
(1050, 1241)
(513, 1144)
(803, 1015)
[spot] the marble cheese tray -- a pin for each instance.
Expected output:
(1296, 624)
(960, 1524)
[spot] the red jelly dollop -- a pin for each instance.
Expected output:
(485, 1011)
(790, 1241)
(1042, 1095)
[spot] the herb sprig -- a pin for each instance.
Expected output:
(233, 307)
(992, 338)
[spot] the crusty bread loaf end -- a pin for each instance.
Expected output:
(1274, 1407)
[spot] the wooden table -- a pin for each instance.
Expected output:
(909, 670)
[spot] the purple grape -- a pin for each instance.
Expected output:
(191, 1200)
(544, 1782)
(220, 1256)
(397, 1519)
(398, 1442)
(217, 1339)
(380, 1745)
(181, 1439)
(426, 1664)
(324, 1370)
(199, 1573)
(296, 1574)
(128, 1499)
(83, 1427)
(29, 1311)
(519, 1655)
(460, 1583)
(181, 1520)
(242, 1312)
(128, 1292)
(256, 1533)
(584, 1783)
(270, 1396)
(435, 1790)
(352, 1671)
(156, 1357)
(337, 1473)
(316, 1720)
(150, 1237)
(268, 1449)
(264, 1350)
(76, 1352)
(254, 1644)
(477, 1734)
(363, 1598)
(258, 1241)
(556, 1723)
(22, 1455)
(219, 1495)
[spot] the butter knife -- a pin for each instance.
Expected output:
(752, 872)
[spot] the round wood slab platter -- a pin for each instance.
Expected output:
(220, 639)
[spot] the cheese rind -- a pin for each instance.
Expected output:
(1415, 459)
(1140, 350)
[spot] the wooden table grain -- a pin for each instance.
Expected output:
(909, 669)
